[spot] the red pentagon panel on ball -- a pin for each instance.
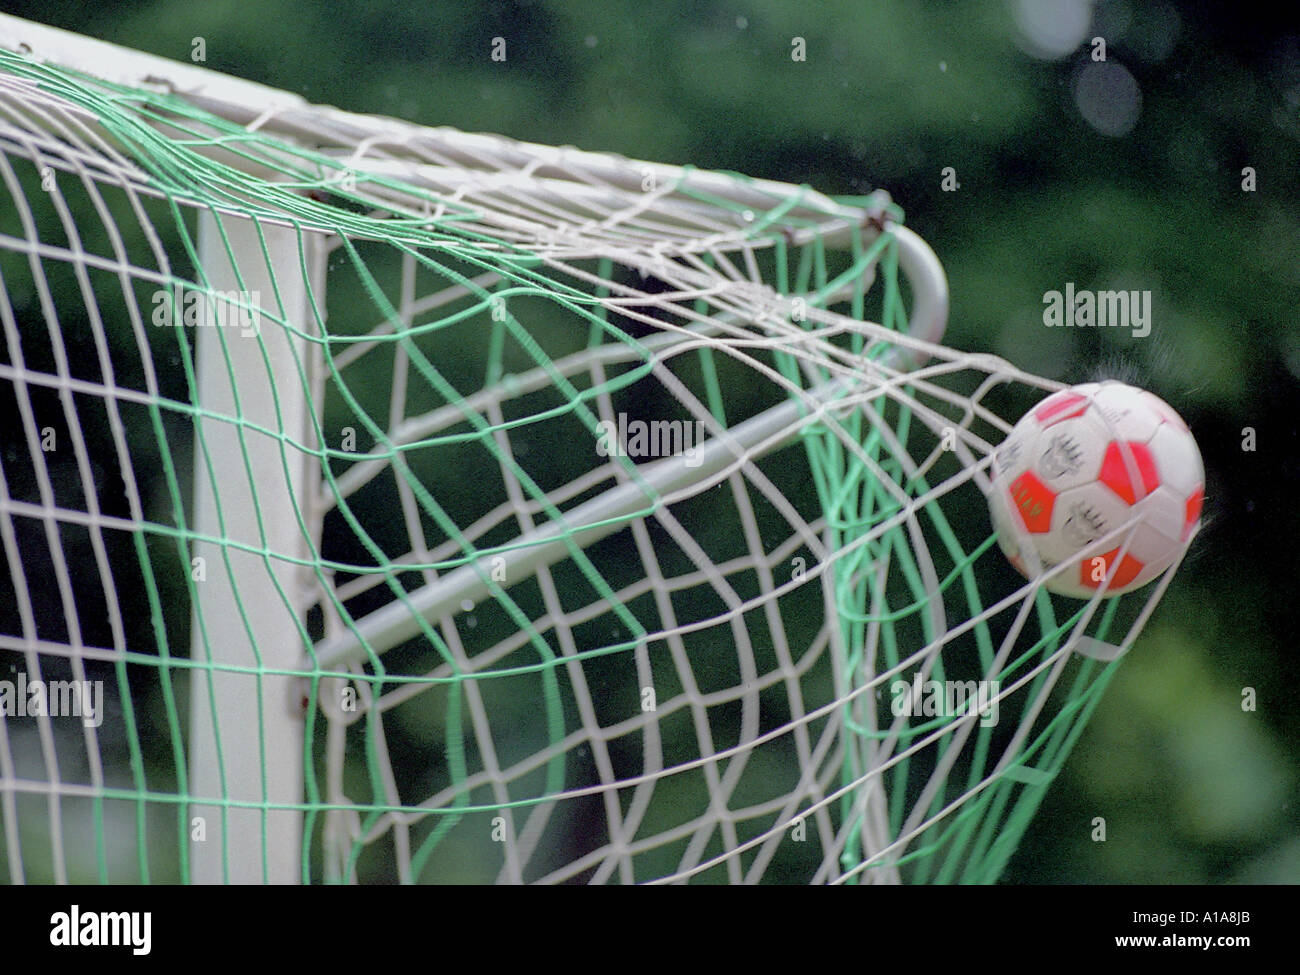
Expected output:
(1194, 504)
(1115, 470)
(1128, 570)
(1034, 500)
(1061, 406)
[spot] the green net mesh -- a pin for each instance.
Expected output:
(434, 507)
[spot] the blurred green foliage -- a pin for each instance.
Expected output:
(1192, 787)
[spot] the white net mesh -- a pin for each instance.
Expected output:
(506, 512)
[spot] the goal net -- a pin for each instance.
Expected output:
(386, 503)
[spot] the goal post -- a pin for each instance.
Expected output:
(437, 506)
(254, 464)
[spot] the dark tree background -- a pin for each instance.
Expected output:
(1129, 172)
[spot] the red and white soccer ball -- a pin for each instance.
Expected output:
(1089, 460)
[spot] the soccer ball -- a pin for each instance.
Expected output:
(1091, 461)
